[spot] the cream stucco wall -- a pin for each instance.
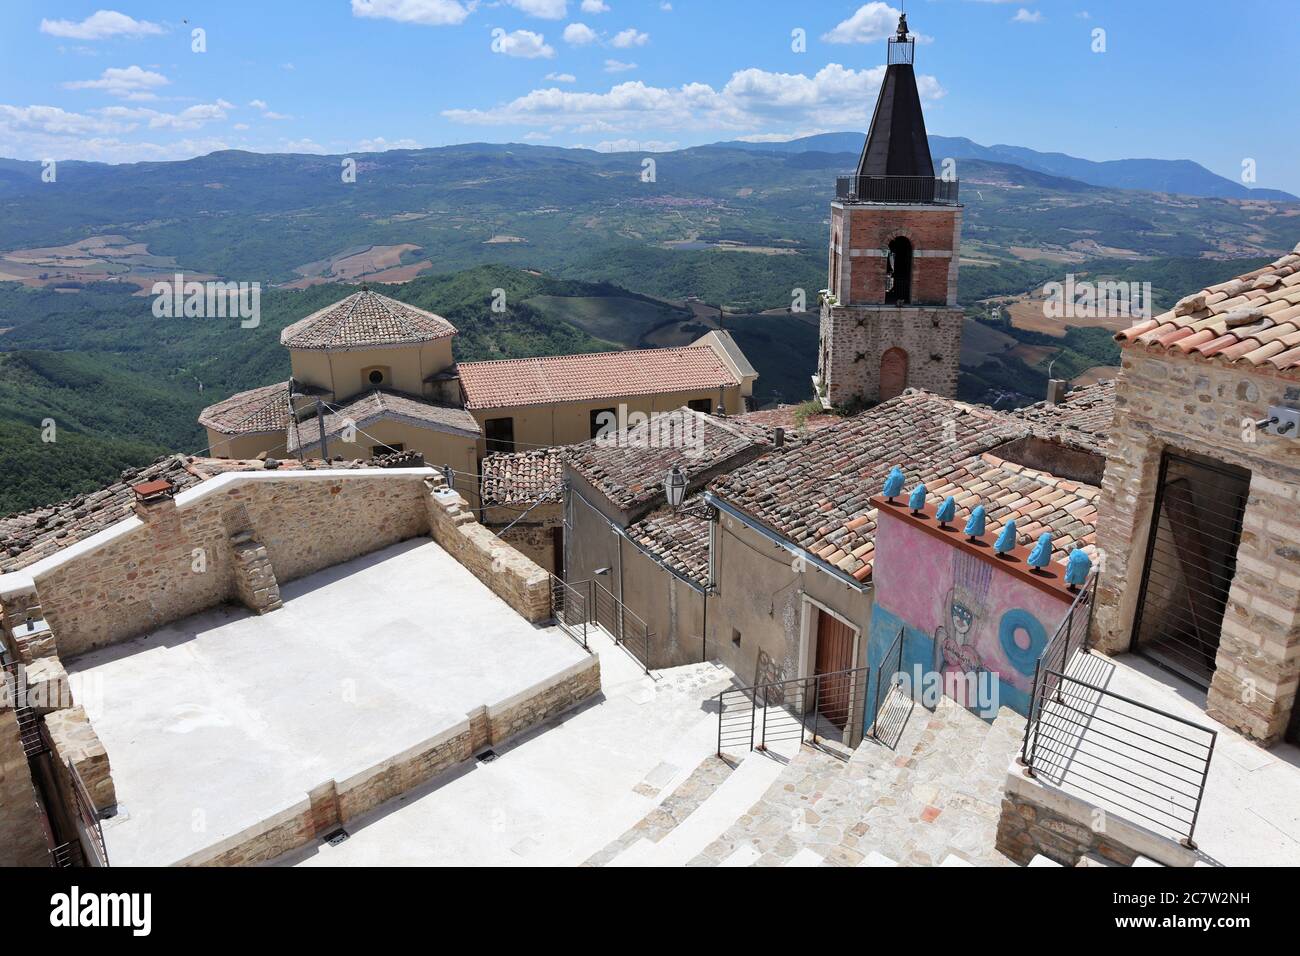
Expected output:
(569, 422)
(344, 373)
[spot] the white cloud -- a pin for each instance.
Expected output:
(634, 146)
(379, 145)
(579, 34)
(753, 100)
(666, 7)
(100, 25)
(561, 77)
(433, 13)
(301, 146)
(521, 43)
(546, 9)
(131, 82)
(595, 6)
(240, 126)
(40, 132)
(630, 38)
(870, 22)
(272, 115)
(258, 104)
(618, 66)
(536, 137)
(1027, 16)
(192, 117)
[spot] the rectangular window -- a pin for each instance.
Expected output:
(735, 637)
(704, 405)
(597, 422)
(500, 434)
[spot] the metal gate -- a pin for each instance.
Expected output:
(1191, 558)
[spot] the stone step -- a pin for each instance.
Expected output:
(722, 808)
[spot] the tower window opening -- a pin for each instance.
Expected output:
(898, 271)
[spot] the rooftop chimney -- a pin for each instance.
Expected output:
(1056, 388)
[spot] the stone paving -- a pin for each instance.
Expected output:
(675, 808)
(935, 796)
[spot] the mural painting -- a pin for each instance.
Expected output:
(980, 636)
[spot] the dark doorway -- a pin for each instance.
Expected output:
(834, 654)
(557, 552)
(898, 271)
(1191, 559)
(499, 434)
(893, 373)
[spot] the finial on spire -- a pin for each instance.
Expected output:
(902, 26)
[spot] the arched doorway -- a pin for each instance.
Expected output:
(893, 373)
(898, 271)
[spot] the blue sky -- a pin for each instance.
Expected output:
(116, 80)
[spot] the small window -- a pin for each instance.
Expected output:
(499, 434)
(704, 405)
(597, 422)
(377, 375)
(393, 449)
(898, 271)
(735, 637)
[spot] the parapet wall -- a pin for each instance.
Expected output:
(335, 802)
(181, 556)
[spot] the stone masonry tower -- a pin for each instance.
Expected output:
(890, 319)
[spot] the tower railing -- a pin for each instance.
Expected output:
(897, 189)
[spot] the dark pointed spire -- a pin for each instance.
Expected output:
(896, 143)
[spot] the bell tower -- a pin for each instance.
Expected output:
(889, 318)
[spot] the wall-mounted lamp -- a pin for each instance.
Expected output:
(675, 487)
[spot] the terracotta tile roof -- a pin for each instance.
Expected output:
(676, 539)
(630, 470)
(787, 417)
(363, 320)
(1252, 320)
(1083, 419)
(28, 537)
(524, 477)
(595, 375)
(379, 405)
(255, 411)
(817, 493)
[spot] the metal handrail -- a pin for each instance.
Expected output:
(564, 599)
(1163, 808)
(778, 692)
(880, 678)
(897, 189)
(1056, 652)
(640, 631)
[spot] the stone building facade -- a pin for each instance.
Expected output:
(1201, 382)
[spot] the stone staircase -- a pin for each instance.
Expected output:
(931, 800)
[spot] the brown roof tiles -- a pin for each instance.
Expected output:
(363, 320)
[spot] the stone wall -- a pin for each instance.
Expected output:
(854, 339)
(1204, 407)
(177, 556)
(513, 577)
(532, 535)
(22, 836)
(1039, 819)
(333, 803)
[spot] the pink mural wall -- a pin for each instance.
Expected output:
(968, 613)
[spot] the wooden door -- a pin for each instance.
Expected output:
(893, 373)
(834, 653)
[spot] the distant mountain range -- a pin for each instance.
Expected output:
(1152, 175)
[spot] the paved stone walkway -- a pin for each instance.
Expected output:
(936, 795)
(675, 808)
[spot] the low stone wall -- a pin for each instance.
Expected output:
(178, 557)
(514, 578)
(22, 839)
(1038, 819)
(333, 803)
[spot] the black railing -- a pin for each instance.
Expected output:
(1145, 763)
(611, 615)
(15, 691)
(889, 670)
(87, 818)
(569, 607)
(820, 706)
(897, 189)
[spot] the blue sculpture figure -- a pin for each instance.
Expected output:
(1041, 556)
(975, 526)
(947, 511)
(1077, 568)
(1007, 539)
(894, 482)
(916, 501)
